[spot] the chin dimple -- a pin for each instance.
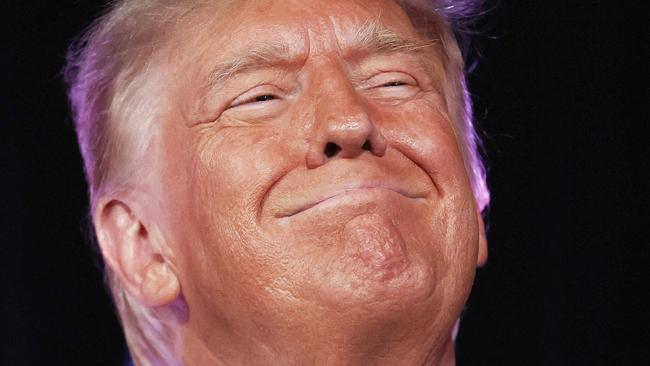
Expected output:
(378, 246)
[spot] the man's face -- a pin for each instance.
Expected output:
(314, 186)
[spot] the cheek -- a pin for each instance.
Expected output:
(461, 252)
(234, 166)
(230, 172)
(424, 134)
(422, 131)
(219, 178)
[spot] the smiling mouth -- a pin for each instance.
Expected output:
(344, 193)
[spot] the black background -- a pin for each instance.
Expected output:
(561, 99)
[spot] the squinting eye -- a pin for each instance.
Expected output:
(264, 98)
(391, 86)
(253, 99)
(394, 79)
(256, 99)
(394, 83)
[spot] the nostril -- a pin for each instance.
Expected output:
(366, 146)
(331, 149)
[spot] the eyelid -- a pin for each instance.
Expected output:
(383, 78)
(250, 95)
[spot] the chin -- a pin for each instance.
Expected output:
(378, 262)
(373, 284)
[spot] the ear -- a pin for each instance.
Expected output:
(134, 254)
(482, 242)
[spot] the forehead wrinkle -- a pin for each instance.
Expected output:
(258, 55)
(365, 38)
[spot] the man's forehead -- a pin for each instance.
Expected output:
(291, 46)
(296, 24)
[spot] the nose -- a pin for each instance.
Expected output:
(343, 129)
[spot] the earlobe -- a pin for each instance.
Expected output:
(160, 285)
(482, 242)
(134, 255)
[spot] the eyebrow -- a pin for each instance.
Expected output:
(256, 56)
(370, 37)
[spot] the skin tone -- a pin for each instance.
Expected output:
(309, 207)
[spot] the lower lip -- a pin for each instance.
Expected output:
(350, 197)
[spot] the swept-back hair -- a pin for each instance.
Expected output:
(109, 71)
